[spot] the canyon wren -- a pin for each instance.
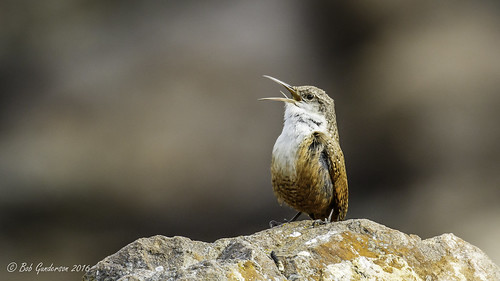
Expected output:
(307, 168)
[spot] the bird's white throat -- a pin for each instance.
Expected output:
(298, 124)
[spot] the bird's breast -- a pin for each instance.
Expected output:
(285, 152)
(297, 128)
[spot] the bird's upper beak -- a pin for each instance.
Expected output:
(295, 96)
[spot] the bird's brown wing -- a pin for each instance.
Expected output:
(326, 156)
(339, 178)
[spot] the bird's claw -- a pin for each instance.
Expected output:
(319, 222)
(274, 223)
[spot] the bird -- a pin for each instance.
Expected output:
(308, 170)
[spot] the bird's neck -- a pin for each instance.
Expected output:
(300, 123)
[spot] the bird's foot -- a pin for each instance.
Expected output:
(325, 221)
(274, 223)
(320, 222)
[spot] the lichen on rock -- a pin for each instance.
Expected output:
(349, 250)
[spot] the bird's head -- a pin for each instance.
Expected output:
(310, 99)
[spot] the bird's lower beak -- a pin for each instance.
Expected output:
(279, 99)
(295, 95)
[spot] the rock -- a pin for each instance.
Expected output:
(350, 250)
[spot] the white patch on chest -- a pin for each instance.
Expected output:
(298, 125)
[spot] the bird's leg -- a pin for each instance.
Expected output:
(295, 217)
(330, 216)
(274, 223)
(325, 221)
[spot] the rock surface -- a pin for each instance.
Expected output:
(350, 250)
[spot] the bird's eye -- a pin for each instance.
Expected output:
(309, 96)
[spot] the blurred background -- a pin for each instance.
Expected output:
(127, 119)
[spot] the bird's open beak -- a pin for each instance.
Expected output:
(295, 96)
